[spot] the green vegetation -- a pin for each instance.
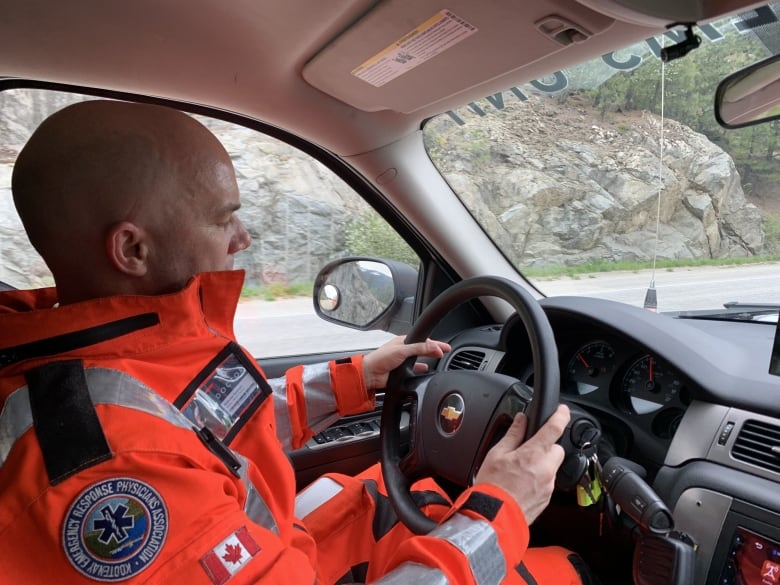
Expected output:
(689, 88)
(370, 235)
(630, 265)
(275, 290)
(772, 234)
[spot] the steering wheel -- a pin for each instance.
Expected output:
(456, 416)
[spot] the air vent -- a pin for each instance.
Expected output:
(758, 443)
(467, 360)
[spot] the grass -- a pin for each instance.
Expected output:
(611, 266)
(276, 290)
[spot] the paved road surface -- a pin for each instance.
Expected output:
(680, 288)
(289, 326)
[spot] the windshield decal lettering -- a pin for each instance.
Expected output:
(558, 81)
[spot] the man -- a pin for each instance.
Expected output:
(140, 443)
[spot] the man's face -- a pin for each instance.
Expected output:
(201, 231)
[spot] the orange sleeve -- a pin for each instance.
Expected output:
(486, 505)
(352, 396)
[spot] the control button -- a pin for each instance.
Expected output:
(725, 433)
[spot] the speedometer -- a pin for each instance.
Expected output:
(648, 385)
(589, 368)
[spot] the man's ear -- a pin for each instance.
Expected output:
(127, 248)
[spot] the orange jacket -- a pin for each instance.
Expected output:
(111, 463)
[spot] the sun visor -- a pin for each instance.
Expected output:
(666, 12)
(404, 56)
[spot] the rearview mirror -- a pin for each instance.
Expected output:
(749, 96)
(366, 293)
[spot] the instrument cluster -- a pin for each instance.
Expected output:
(607, 372)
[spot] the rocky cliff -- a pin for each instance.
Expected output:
(558, 184)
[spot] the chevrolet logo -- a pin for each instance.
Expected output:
(451, 413)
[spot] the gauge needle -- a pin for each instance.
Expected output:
(650, 369)
(583, 360)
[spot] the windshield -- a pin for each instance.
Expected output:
(613, 178)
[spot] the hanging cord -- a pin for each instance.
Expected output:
(651, 296)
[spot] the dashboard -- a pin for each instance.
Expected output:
(691, 400)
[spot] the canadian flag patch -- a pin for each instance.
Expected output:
(229, 556)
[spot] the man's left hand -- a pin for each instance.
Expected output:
(378, 364)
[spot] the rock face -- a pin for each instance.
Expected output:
(556, 184)
(559, 185)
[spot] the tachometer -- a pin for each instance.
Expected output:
(648, 385)
(589, 367)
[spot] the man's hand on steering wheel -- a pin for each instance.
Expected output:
(380, 362)
(526, 470)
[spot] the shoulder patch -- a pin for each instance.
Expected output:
(114, 529)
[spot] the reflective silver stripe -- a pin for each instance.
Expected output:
(15, 419)
(281, 411)
(315, 495)
(120, 389)
(255, 507)
(321, 409)
(413, 573)
(477, 540)
(116, 388)
(105, 387)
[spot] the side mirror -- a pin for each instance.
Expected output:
(366, 293)
(749, 96)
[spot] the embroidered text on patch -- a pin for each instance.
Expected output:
(114, 529)
(229, 556)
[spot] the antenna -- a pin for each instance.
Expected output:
(651, 296)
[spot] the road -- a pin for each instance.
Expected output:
(289, 326)
(680, 288)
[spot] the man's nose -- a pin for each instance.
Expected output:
(241, 239)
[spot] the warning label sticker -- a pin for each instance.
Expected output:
(437, 34)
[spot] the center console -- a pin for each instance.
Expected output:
(748, 551)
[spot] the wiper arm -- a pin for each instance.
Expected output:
(765, 307)
(735, 311)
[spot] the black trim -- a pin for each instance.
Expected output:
(355, 576)
(525, 574)
(587, 577)
(66, 424)
(77, 339)
(235, 350)
(483, 504)
(218, 448)
(385, 517)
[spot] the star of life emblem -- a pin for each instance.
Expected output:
(114, 529)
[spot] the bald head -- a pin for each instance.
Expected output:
(102, 188)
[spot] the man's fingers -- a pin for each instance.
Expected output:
(428, 348)
(514, 435)
(552, 430)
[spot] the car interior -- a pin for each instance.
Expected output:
(673, 452)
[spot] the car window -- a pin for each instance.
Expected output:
(613, 177)
(299, 213)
